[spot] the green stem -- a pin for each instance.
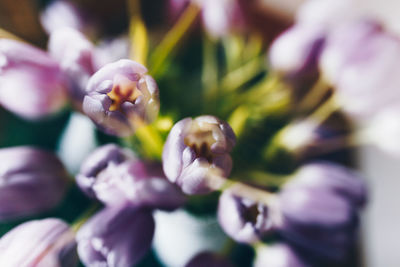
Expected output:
(210, 73)
(324, 111)
(163, 50)
(151, 141)
(138, 33)
(314, 95)
(84, 217)
(238, 77)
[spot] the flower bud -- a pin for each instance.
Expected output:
(121, 97)
(76, 56)
(195, 150)
(208, 259)
(277, 255)
(114, 176)
(319, 208)
(117, 236)
(31, 82)
(47, 242)
(31, 181)
(98, 161)
(244, 219)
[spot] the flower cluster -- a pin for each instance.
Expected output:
(269, 165)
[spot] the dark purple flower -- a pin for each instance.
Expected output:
(208, 259)
(243, 219)
(32, 84)
(117, 236)
(319, 208)
(31, 181)
(76, 56)
(278, 255)
(197, 149)
(115, 176)
(47, 242)
(121, 97)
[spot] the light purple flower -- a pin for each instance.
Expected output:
(197, 149)
(76, 56)
(361, 61)
(32, 84)
(47, 242)
(319, 208)
(99, 160)
(221, 17)
(115, 176)
(297, 50)
(208, 259)
(63, 13)
(278, 255)
(117, 236)
(121, 97)
(31, 181)
(244, 219)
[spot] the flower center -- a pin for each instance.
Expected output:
(122, 91)
(200, 138)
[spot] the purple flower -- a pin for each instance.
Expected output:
(208, 259)
(32, 84)
(76, 56)
(117, 236)
(278, 255)
(48, 242)
(99, 160)
(243, 219)
(361, 61)
(121, 97)
(115, 176)
(195, 150)
(297, 50)
(221, 17)
(31, 181)
(319, 208)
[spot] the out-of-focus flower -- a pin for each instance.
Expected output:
(244, 219)
(327, 13)
(47, 242)
(319, 208)
(277, 255)
(111, 50)
(361, 61)
(76, 56)
(63, 13)
(221, 17)
(195, 150)
(121, 97)
(31, 181)
(31, 82)
(117, 236)
(114, 177)
(382, 131)
(296, 51)
(208, 259)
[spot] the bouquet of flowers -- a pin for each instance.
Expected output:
(189, 139)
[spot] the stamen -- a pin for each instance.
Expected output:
(123, 90)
